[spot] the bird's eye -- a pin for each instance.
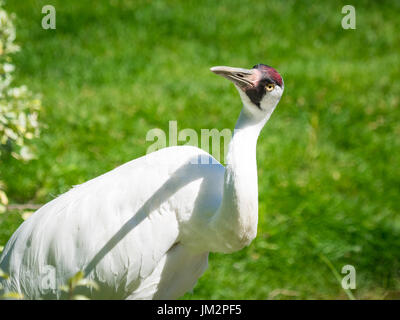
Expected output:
(270, 86)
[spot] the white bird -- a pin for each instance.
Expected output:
(144, 230)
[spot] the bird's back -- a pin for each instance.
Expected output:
(118, 227)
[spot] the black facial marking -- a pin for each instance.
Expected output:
(268, 76)
(256, 94)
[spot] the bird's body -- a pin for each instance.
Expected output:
(65, 235)
(143, 230)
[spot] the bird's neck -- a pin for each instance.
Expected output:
(238, 213)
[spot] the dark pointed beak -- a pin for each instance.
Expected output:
(243, 78)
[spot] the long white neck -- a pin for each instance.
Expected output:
(237, 217)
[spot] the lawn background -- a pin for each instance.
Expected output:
(329, 178)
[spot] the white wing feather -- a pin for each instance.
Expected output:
(119, 227)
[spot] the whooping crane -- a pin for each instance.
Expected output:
(144, 230)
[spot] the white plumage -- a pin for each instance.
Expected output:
(144, 229)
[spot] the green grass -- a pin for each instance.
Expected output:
(329, 178)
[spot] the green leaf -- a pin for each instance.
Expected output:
(64, 288)
(13, 295)
(88, 283)
(74, 280)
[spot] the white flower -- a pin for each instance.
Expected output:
(8, 67)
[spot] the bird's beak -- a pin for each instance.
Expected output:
(243, 78)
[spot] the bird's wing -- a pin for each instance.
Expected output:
(116, 227)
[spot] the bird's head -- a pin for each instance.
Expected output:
(260, 87)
